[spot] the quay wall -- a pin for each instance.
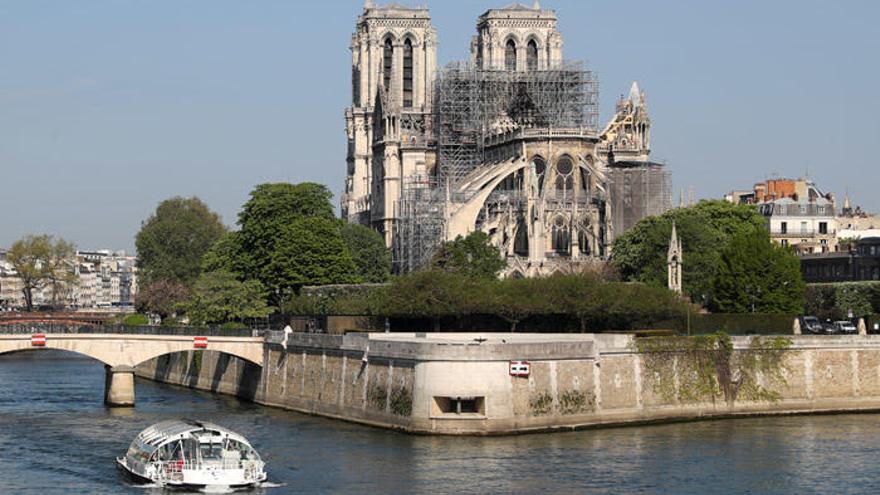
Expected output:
(461, 383)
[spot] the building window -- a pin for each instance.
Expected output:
(510, 55)
(387, 63)
(784, 242)
(540, 169)
(407, 73)
(532, 56)
(823, 227)
(783, 227)
(804, 229)
(821, 210)
(560, 236)
(803, 209)
(564, 176)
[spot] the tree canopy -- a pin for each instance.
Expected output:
(163, 297)
(639, 255)
(372, 258)
(40, 261)
(172, 242)
(308, 251)
(757, 275)
(219, 297)
(472, 256)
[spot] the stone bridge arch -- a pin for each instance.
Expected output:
(121, 353)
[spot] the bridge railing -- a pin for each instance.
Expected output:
(59, 328)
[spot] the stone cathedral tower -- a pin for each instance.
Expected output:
(393, 65)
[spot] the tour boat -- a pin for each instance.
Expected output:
(192, 455)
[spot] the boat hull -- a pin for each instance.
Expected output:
(137, 479)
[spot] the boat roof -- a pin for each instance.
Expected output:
(165, 431)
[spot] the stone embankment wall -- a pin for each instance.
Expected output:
(461, 383)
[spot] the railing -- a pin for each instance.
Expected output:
(173, 470)
(56, 328)
(796, 232)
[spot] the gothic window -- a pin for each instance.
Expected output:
(564, 175)
(521, 239)
(510, 55)
(387, 63)
(560, 236)
(407, 73)
(532, 56)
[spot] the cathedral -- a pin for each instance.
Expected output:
(507, 142)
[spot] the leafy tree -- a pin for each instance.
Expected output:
(172, 242)
(269, 210)
(472, 256)
(756, 275)
(431, 294)
(135, 320)
(40, 261)
(368, 250)
(225, 255)
(512, 300)
(218, 297)
(162, 297)
(308, 251)
(639, 255)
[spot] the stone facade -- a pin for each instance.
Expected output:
(506, 143)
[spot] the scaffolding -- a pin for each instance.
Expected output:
(638, 190)
(475, 104)
(474, 110)
(420, 223)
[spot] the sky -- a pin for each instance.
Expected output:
(107, 107)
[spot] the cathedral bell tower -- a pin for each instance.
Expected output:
(517, 38)
(393, 60)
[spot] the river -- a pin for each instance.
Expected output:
(56, 437)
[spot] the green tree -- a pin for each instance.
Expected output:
(756, 275)
(639, 255)
(433, 294)
(219, 297)
(308, 251)
(368, 250)
(225, 255)
(172, 242)
(512, 300)
(472, 256)
(41, 261)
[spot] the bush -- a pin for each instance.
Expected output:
(135, 320)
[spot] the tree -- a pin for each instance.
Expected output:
(431, 294)
(472, 256)
(162, 297)
(368, 250)
(512, 300)
(172, 242)
(639, 255)
(308, 251)
(265, 219)
(756, 275)
(218, 297)
(225, 255)
(40, 261)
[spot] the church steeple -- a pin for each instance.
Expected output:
(674, 261)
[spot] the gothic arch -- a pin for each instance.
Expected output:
(511, 47)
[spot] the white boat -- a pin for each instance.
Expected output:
(192, 455)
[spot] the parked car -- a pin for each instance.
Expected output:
(844, 327)
(811, 324)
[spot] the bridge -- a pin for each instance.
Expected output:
(121, 349)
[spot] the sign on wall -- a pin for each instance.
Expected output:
(519, 368)
(200, 342)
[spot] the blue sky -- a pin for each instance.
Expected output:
(109, 106)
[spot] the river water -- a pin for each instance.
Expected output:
(56, 437)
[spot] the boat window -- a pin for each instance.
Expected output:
(211, 451)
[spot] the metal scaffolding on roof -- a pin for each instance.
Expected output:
(475, 104)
